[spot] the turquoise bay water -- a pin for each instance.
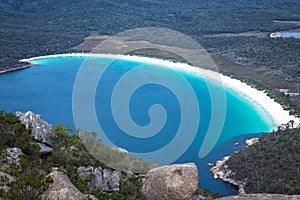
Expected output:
(47, 89)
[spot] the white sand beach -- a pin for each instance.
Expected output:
(259, 98)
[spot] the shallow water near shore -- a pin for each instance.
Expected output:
(47, 89)
(287, 35)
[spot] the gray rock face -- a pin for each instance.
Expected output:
(91, 197)
(198, 197)
(173, 182)
(12, 155)
(44, 149)
(97, 178)
(40, 129)
(114, 181)
(262, 197)
(93, 176)
(62, 189)
(74, 148)
(106, 179)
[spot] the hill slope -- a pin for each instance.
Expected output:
(270, 166)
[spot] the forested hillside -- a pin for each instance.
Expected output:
(31, 28)
(26, 161)
(271, 165)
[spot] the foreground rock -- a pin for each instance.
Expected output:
(62, 189)
(40, 129)
(262, 197)
(98, 178)
(173, 182)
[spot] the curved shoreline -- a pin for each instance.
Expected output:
(257, 97)
(16, 68)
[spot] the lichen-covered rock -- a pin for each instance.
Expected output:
(40, 129)
(172, 182)
(12, 155)
(93, 176)
(91, 197)
(262, 197)
(44, 149)
(114, 181)
(62, 189)
(97, 178)
(198, 197)
(106, 178)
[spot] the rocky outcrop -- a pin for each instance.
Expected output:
(44, 149)
(113, 179)
(198, 197)
(40, 129)
(251, 141)
(91, 197)
(172, 182)
(98, 178)
(62, 189)
(262, 197)
(222, 171)
(12, 155)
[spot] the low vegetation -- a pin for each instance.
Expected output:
(68, 154)
(113, 157)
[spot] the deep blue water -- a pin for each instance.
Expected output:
(47, 89)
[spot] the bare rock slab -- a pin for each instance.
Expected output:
(98, 178)
(171, 182)
(40, 129)
(62, 189)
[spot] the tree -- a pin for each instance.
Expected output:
(28, 187)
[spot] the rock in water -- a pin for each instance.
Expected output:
(251, 141)
(62, 189)
(40, 129)
(172, 182)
